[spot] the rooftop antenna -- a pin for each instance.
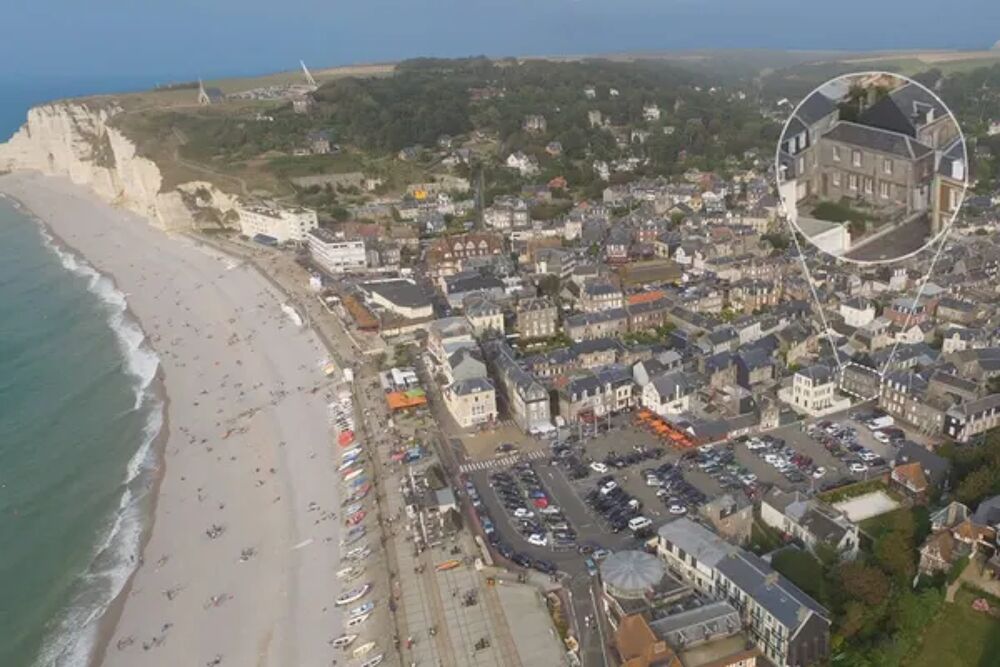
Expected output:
(309, 77)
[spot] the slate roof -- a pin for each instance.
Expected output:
(403, 293)
(697, 541)
(472, 386)
(988, 512)
(814, 108)
(903, 110)
(873, 138)
(672, 384)
(817, 373)
(776, 594)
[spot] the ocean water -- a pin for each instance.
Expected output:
(20, 94)
(78, 419)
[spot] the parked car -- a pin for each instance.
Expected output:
(538, 540)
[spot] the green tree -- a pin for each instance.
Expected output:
(863, 582)
(977, 485)
(895, 549)
(549, 285)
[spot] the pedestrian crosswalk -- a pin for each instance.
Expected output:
(503, 462)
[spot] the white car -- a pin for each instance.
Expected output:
(677, 509)
(522, 513)
(639, 523)
(748, 478)
(598, 467)
(771, 458)
(881, 437)
(755, 443)
(609, 487)
(819, 472)
(858, 468)
(537, 539)
(652, 480)
(867, 455)
(550, 509)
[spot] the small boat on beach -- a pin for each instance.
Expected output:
(343, 641)
(448, 565)
(354, 574)
(374, 662)
(345, 438)
(359, 482)
(365, 608)
(353, 595)
(350, 453)
(363, 650)
(353, 535)
(357, 553)
(353, 474)
(355, 507)
(343, 572)
(356, 518)
(358, 620)
(358, 495)
(347, 464)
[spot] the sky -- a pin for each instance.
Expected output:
(175, 40)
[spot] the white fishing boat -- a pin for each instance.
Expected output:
(377, 660)
(343, 641)
(351, 509)
(363, 650)
(346, 464)
(361, 609)
(358, 620)
(351, 453)
(353, 595)
(357, 553)
(350, 573)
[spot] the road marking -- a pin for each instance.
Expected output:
(505, 462)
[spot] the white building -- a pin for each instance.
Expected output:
(525, 164)
(651, 112)
(471, 402)
(279, 223)
(812, 522)
(668, 395)
(812, 392)
(857, 312)
(335, 254)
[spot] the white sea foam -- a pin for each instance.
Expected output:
(72, 639)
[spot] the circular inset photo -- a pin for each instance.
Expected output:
(872, 167)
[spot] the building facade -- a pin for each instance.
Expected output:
(335, 254)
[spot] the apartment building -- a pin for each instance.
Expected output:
(336, 254)
(283, 224)
(789, 627)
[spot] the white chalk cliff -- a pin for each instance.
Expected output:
(76, 140)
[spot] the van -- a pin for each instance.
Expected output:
(639, 523)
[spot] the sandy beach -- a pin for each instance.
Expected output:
(239, 567)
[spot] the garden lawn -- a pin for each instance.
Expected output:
(959, 637)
